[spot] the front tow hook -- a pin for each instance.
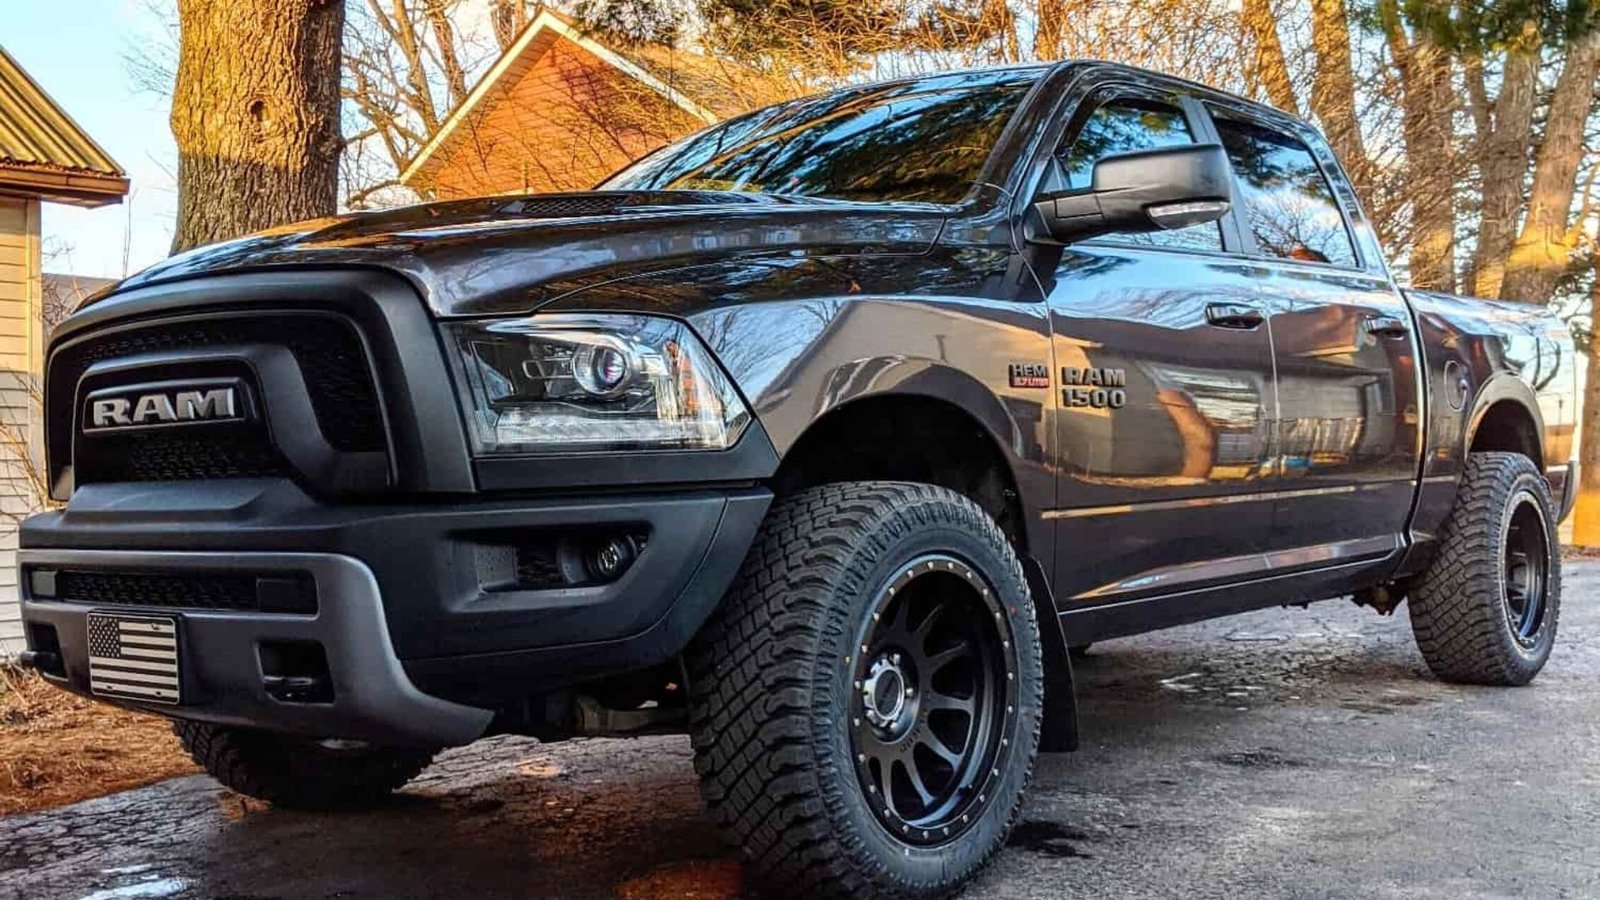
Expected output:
(40, 661)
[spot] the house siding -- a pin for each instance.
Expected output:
(21, 356)
(562, 122)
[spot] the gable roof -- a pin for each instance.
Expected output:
(43, 153)
(700, 86)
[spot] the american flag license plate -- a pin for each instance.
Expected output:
(134, 658)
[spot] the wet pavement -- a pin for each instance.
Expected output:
(1280, 754)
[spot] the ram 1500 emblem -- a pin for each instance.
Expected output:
(1094, 388)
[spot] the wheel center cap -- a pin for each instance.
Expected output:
(884, 692)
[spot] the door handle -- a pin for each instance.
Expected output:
(1234, 315)
(1388, 326)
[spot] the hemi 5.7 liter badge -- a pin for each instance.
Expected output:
(1030, 375)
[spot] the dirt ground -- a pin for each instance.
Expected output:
(58, 748)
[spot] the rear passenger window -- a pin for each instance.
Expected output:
(1287, 201)
(1127, 126)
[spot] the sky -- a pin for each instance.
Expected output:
(78, 51)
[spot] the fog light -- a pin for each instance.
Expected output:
(610, 559)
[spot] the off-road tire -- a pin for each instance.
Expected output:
(1458, 608)
(771, 692)
(299, 773)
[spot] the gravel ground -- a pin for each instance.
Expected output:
(1279, 754)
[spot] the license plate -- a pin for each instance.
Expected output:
(135, 658)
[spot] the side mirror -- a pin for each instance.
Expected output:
(1149, 190)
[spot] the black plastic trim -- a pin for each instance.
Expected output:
(751, 459)
(414, 386)
(425, 558)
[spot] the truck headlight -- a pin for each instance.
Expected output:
(574, 383)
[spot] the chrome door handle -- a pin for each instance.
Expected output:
(1234, 315)
(1388, 326)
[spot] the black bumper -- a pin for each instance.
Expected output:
(422, 628)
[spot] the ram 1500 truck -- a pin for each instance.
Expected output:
(824, 435)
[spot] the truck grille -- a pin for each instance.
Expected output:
(277, 592)
(161, 457)
(327, 349)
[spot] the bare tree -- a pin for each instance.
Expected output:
(1543, 249)
(406, 67)
(1269, 67)
(508, 18)
(1503, 125)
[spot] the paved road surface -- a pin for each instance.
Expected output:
(1280, 754)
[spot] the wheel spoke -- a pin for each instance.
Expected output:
(885, 761)
(935, 700)
(914, 774)
(919, 637)
(938, 748)
(895, 622)
(937, 661)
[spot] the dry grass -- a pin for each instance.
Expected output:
(58, 748)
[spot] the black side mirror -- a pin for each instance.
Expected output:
(1149, 190)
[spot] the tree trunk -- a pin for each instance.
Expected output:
(444, 34)
(1270, 68)
(1542, 251)
(1503, 160)
(1427, 108)
(255, 112)
(1586, 516)
(1333, 91)
(1050, 27)
(508, 17)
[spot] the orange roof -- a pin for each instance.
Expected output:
(43, 153)
(705, 88)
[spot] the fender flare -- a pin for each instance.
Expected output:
(1502, 387)
(1059, 733)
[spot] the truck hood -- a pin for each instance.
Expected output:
(505, 255)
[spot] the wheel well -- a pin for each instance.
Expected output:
(1508, 427)
(907, 439)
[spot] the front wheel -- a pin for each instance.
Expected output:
(1485, 611)
(866, 703)
(296, 772)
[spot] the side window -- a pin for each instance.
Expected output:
(1127, 125)
(1287, 201)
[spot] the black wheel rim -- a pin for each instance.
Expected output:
(932, 694)
(1526, 573)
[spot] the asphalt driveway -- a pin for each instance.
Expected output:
(1280, 754)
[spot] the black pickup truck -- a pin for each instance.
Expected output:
(825, 435)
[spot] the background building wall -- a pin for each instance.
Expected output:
(21, 359)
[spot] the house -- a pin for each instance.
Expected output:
(562, 109)
(44, 158)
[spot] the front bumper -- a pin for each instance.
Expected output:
(423, 636)
(373, 699)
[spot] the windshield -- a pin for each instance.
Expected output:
(924, 140)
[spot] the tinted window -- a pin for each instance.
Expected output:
(1287, 201)
(918, 141)
(1126, 126)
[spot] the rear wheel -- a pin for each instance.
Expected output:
(297, 772)
(1485, 611)
(866, 703)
